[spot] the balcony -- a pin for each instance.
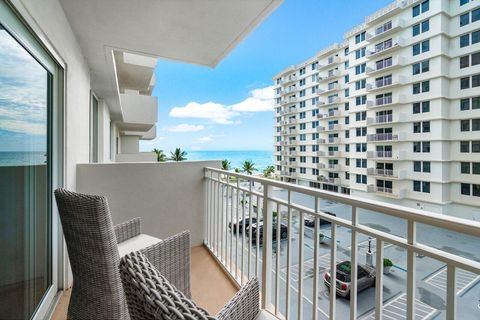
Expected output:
(388, 118)
(139, 112)
(385, 48)
(385, 83)
(320, 166)
(290, 79)
(333, 114)
(330, 75)
(333, 140)
(333, 60)
(333, 154)
(379, 137)
(386, 101)
(386, 192)
(385, 65)
(320, 153)
(289, 90)
(334, 167)
(386, 173)
(211, 198)
(335, 127)
(327, 180)
(386, 29)
(386, 155)
(320, 129)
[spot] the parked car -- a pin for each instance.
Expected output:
(257, 228)
(365, 278)
(310, 221)
(242, 222)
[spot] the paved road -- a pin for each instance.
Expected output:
(431, 280)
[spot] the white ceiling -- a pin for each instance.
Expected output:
(194, 31)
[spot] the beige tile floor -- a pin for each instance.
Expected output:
(211, 287)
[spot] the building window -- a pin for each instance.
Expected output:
(420, 28)
(464, 125)
(421, 87)
(463, 2)
(360, 53)
(421, 67)
(360, 68)
(421, 47)
(361, 100)
(361, 178)
(360, 37)
(464, 83)
(421, 107)
(465, 167)
(464, 40)
(475, 58)
(464, 62)
(475, 124)
(464, 19)
(465, 189)
(476, 81)
(420, 8)
(464, 146)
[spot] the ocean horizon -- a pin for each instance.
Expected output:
(261, 158)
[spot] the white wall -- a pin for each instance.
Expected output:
(169, 196)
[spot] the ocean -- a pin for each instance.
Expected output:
(19, 158)
(262, 159)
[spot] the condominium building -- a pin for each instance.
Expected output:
(392, 113)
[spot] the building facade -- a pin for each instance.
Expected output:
(392, 113)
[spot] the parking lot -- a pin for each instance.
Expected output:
(430, 274)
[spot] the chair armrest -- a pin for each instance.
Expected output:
(245, 305)
(172, 258)
(128, 229)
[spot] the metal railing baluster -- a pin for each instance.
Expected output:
(300, 264)
(451, 292)
(333, 272)
(354, 266)
(411, 270)
(289, 256)
(379, 281)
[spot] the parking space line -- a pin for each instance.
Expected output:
(465, 280)
(396, 309)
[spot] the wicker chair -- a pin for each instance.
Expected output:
(92, 244)
(150, 296)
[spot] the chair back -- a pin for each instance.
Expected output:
(97, 291)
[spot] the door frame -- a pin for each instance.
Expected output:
(18, 22)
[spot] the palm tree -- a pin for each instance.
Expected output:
(161, 157)
(226, 165)
(178, 155)
(268, 171)
(237, 170)
(248, 167)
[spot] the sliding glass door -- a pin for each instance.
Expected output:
(28, 79)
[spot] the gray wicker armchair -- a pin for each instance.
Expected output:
(93, 247)
(151, 296)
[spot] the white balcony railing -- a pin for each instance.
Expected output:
(384, 137)
(292, 276)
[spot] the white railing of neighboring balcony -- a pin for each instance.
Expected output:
(231, 197)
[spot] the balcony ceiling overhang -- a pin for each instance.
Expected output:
(192, 31)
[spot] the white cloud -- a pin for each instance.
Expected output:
(184, 127)
(260, 100)
(203, 140)
(210, 110)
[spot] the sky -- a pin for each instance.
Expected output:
(231, 107)
(23, 98)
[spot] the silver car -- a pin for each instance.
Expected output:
(365, 278)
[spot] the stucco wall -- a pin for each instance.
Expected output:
(169, 197)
